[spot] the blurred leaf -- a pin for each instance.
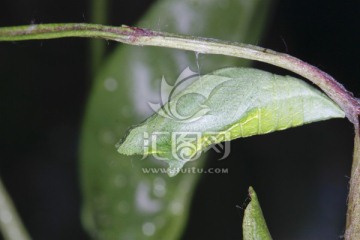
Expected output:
(225, 105)
(120, 201)
(254, 225)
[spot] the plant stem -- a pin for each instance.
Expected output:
(353, 212)
(10, 223)
(145, 37)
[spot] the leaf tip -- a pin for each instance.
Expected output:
(254, 225)
(252, 193)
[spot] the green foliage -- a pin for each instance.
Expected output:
(119, 200)
(233, 102)
(254, 225)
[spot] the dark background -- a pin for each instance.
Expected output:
(301, 175)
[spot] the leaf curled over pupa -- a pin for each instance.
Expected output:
(233, 103)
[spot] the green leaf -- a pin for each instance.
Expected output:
(120, 201)
(233, 103)
(254, 225)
